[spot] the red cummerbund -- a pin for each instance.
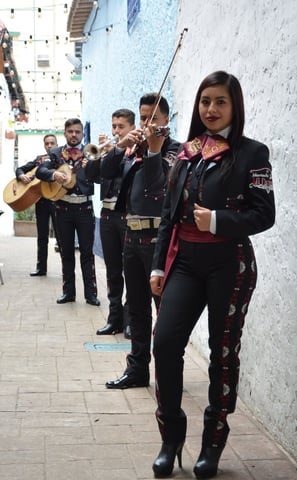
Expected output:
(190, 233)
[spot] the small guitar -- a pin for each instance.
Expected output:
(20, 196)
(55, 191)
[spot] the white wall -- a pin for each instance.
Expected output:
(119, 67)
(256, 41)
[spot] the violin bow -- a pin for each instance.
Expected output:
(158, 97)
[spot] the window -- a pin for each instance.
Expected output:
(78, 54)
(133, 9)
(43, 61)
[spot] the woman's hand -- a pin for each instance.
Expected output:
(156, 285)
(202, 217)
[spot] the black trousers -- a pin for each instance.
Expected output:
(112, 232)
(79, 217)
(138, 255)
(221, 276)
(45, 211)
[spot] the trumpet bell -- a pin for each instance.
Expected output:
(95, 152)
(92, 152)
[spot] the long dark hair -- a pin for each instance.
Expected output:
(235, 92)
(197, 127)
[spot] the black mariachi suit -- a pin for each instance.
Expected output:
(44, 211)
(73, 217)
(142, 192)
(220, 275)
(112, 233)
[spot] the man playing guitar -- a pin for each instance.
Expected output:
(44, 208)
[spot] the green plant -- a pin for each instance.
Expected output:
(27, 215)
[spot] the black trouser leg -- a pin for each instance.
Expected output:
(85, 227)
(66, 228)
(112, 231)
(42, 210)
(138, 254)
(54, 222)
(236, 280)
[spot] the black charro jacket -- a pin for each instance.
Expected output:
(147, 184)
(30, 165)
(244, 202)
(44, 172)
(108, 188)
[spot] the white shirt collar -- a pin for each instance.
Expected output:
(224, 133)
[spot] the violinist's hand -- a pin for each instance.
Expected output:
(202, 217)
(154, 143)
(132, 138)
(25, 179)
(156, 285)
(60, 177)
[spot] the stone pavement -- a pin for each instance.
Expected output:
(58, 421)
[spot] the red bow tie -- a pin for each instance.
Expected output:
(211, 148)
(73, 154)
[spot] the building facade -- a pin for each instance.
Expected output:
(47, 66)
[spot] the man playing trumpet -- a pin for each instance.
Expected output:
(113, 226)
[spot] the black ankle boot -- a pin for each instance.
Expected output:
(207, 463)
(164, 463)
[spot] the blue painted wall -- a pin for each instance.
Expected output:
(119, 67)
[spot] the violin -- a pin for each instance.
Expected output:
(139, 148)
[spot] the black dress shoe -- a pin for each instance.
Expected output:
(38, 273)
(207, 463)
(109, 329)
(164, 463)
(127, 332)
(66, 298)
(127, 381)
(93, 301)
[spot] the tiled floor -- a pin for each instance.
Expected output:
(58, 421)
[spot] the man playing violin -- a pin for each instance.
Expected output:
(74, 212)
(142, 159)
(44, 208)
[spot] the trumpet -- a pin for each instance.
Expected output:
(95, 152)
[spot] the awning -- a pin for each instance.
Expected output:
(78, 16)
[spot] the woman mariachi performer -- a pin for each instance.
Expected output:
(220, 192)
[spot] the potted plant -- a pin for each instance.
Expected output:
(25, 223)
